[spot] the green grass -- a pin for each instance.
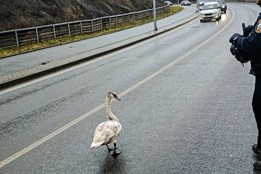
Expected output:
(68, 39)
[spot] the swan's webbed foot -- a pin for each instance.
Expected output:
(115, 154)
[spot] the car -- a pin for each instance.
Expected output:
(223, 6)
(210, 10)
(185, 3)
(200, 4)
(168, 3)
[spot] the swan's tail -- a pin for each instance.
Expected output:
(94, 145)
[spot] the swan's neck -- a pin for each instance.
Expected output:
(108, 110)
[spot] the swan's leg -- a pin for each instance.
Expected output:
(111, 149)
(115, 153)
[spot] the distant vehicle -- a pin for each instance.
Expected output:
(223, 5)
(168, 3)
(210, 10)
(185, 3)
(200, 4)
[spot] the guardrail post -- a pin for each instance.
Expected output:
(92, 24)
(37, 34)
(69, 30)
(81, 26)
(16, 38)
(54, 35)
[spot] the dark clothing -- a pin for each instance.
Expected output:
(251, 46)
(256, 104)
(247, 47)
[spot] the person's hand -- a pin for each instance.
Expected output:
(248, 30)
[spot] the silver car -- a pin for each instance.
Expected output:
(185, 3)
(210, 10)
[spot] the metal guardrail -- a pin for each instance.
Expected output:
(18, 37)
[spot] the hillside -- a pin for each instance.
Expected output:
(30, 13)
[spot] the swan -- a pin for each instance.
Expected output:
(108, 131)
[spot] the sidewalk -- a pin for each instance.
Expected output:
(16, 69)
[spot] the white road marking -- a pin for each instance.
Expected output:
(74, 122)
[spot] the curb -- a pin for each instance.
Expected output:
(15, 78)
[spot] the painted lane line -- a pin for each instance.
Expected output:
(74, 122)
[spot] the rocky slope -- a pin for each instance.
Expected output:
(29, 13)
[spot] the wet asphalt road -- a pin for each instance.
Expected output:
(186, 108)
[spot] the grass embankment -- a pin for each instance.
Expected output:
(73, 38)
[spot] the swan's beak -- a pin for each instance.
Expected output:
(116, 97)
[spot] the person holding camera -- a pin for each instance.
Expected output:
(247, 48)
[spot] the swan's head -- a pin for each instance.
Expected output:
(112, 94)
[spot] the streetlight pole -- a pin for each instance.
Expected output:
(154, 14)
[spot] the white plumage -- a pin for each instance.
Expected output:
(107, 132)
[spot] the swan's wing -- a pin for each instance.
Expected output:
(114, 126)
(105, 133)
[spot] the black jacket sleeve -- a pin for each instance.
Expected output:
(250, 44)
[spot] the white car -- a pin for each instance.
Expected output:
(210, 10)
(185, 3)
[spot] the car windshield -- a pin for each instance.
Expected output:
(221, 2)
(210, 6)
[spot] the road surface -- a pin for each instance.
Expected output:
(186, 108)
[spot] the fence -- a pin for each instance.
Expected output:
(18, 37)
